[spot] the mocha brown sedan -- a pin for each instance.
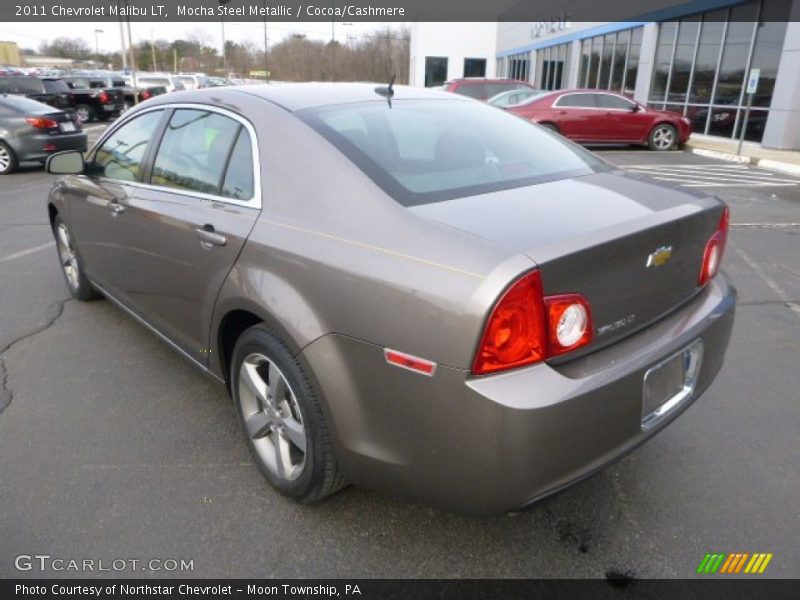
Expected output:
(402, 289)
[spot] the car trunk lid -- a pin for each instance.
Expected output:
(633, 248)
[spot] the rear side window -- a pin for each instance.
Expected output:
(238, 182)
(426, 151)
(615, 102)
(121, 155)
(578, 101)
(194, 151)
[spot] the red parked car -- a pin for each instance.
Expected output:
(594, 116)
(483, 89)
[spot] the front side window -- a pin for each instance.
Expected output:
(426, 151)
(614, 102)
(122, 154)
(194, 151)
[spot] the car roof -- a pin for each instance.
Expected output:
(299, 96)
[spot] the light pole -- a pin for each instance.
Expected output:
(266, 44)
(222, 23)
(97, 33)
(122, 43)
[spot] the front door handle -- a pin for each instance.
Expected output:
(210, 238)
(116, 209)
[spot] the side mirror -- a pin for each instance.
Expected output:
(636, 107)
(69, 162)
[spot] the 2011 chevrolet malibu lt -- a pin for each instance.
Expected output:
(402, 289)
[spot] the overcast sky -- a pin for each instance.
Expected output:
(31, 35)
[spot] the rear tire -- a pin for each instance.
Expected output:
(78, 284)
(282, 419)
(84, 113)
(663, 137)
(8, 159)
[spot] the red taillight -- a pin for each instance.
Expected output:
(41, 123)
(715, 249)
(526, 327)
(103, 97)
(569, 323)
(515, 333)
(145, 95)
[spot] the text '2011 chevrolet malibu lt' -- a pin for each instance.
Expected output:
(402, 289)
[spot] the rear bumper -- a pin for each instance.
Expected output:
(493, 444)
(38, 147)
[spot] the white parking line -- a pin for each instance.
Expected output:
(22, 253)
(712, 175)
(773, 285)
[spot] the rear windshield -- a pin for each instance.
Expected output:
(422, 151)
(55, 86)
(23, 105)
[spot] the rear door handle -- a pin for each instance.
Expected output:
(209, 238)
(116, 209)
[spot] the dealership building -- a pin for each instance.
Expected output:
(694, 59)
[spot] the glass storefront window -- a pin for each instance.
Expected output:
(605, 62)
(705, 66)
(683, 59)
(701, 64)
(610, 62)
(732, 69)
(663, 61)
(551, 67)
(618, 62)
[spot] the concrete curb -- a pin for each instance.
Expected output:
(764, 163)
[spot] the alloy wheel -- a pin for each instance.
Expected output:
(663, 138)
(69, 260)
(5, 159)
(272, 417)
(82, 113)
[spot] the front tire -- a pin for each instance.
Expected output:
(8, 159)
(79, 285)
(663, 137)
(283, 422)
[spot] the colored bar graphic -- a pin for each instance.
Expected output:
(764, 564)
(741, 562)
(733, 563)
(732, 558)
(701, 568)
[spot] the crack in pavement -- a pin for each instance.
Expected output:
(6, 393)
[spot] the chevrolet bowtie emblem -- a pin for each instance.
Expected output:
(660, 257)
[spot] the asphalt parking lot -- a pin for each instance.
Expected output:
(112, 446)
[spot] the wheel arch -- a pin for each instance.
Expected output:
(234, 320)
(52, 213)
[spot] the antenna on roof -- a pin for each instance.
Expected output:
(387, 91)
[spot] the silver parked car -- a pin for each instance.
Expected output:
(401, 288)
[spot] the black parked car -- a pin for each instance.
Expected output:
(97, 98)
(32, 131)
(50, 91)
